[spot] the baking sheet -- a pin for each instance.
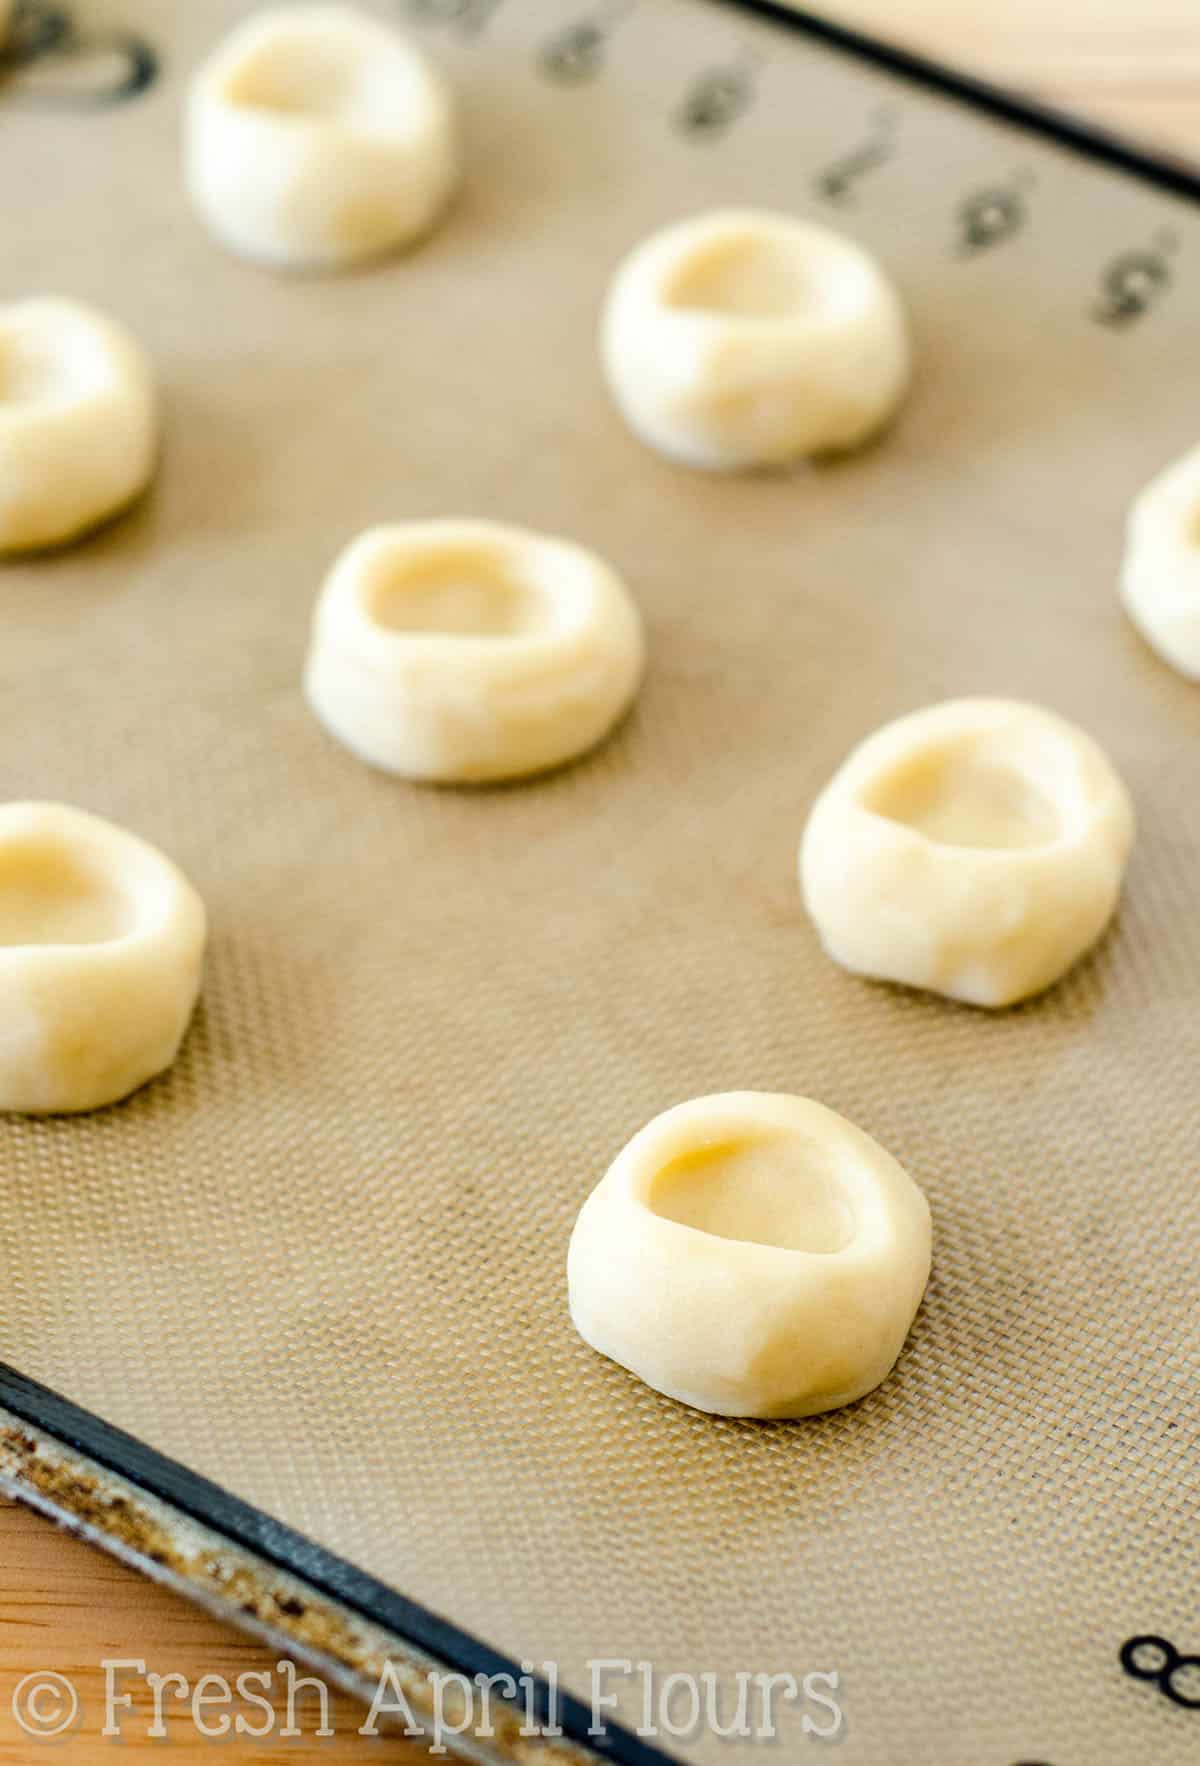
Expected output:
(322, 1261)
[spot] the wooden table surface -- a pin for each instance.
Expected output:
(66, 1608)
(1133, 64)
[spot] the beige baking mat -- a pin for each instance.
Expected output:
(322, 1261)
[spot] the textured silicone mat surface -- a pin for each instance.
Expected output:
(322, 1261)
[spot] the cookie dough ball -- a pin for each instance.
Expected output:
(318, 137)
(463, 651)
(78, 421)
(976, 849)
(1160, 583)
(744, 338)
(751, 1254)
(101, 944)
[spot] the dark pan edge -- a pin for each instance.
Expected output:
(1090, 140)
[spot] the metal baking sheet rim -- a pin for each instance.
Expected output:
(262, 1577)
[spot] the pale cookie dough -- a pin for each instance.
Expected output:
(78, 421)
(751, 1254)
(1160, 582)
(101, 945)
(976, 849)
(317, 137)
(744, 338)
(464, 651)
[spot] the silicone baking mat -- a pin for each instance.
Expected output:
(321, 1262)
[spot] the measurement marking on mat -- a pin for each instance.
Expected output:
(576, 53)
(995, 212)
(718, 98)
(468, 16)
(837, 181)
(1156, 1660)
(1134, 281)
(98, 68)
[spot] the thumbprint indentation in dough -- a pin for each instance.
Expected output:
(314, 75)
(752, 276)
(774, 1190)
(44, 366)
(48, 896)
(304, 77)
(459, 592)
(959, 798)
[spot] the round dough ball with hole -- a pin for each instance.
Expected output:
(318, 137)
(751, 1254)
(975, 849)
(465, 651)
(744, 338)
(1160, 580)
(78, 421)
(101, 947)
